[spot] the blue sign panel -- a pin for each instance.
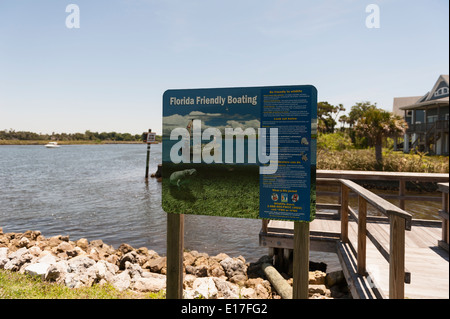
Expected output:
(240, 152)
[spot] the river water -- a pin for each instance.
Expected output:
(99, 192)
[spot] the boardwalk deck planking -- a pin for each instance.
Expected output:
(427, 263)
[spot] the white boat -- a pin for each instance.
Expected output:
(52, 145)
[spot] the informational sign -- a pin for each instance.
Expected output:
(151, 137)
(240, 152)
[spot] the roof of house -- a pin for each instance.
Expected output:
(403, 101)
(421, 102)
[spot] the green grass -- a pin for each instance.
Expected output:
(228, 190)
(14, 285)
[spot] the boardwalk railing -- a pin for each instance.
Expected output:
(400, 177)
(443, 187)
(399, 220)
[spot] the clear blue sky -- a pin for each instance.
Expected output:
(110, 74)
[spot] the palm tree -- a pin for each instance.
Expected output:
(377, 124)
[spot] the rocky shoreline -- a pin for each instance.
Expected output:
(82, 263)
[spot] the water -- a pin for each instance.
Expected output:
(99, 192)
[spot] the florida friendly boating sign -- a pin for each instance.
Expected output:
(240, 152)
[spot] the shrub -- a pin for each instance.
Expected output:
(334, 141)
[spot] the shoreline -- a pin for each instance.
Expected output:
(38, 142)
(81, 263)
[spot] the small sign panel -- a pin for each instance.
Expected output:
(151, 137)
(240, 152)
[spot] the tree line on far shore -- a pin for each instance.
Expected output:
(86, 136)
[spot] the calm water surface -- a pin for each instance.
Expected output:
(99, 192)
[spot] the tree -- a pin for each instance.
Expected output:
(326, 120)
(377, 124)
(358, 111)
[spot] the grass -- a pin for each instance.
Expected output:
(14, 285)
(235, 195)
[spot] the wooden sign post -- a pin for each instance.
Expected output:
(150, 138)
(301, 260)
(175, 246)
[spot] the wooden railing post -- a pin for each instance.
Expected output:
(344, 213)
(401, 193)
(445, 222)
(397, 258)
(444, 243)
(362, 218)
(264, 226)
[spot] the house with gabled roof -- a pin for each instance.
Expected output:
(428, 119)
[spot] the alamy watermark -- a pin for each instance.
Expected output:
(212, 151)
(373, 19)
(73, 19)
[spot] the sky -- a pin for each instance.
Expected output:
(110, 73)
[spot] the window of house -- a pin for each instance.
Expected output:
(432, 118)
(441, 91)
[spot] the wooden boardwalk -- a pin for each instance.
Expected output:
(426, 264)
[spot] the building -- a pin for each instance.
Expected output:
(427, 118)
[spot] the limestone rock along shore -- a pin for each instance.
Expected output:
(82, 263)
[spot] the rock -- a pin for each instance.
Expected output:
(220, 257)
(156, 265)
(262, 292)
(121, 281)
(74, 280)
(17, 259)
(57, 272)
(54, 241)
(24, 242)
(80, 263)
(198, 271)
(64, 247)
(3, 255)
(47, 258)
(233, 267)
(188, 259)
(124, 248)
(317, 277)
(134, 270)
(204, 288)
(105, 270)
(35, 251)
(82, 243)
(238, 279)
(215, 270)
(37, 269)
(226, 289)
(319, 289)
(98, 243)
(248, 293)
(335, 278)
(130, 257)
(188, 280)
(152, 282)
